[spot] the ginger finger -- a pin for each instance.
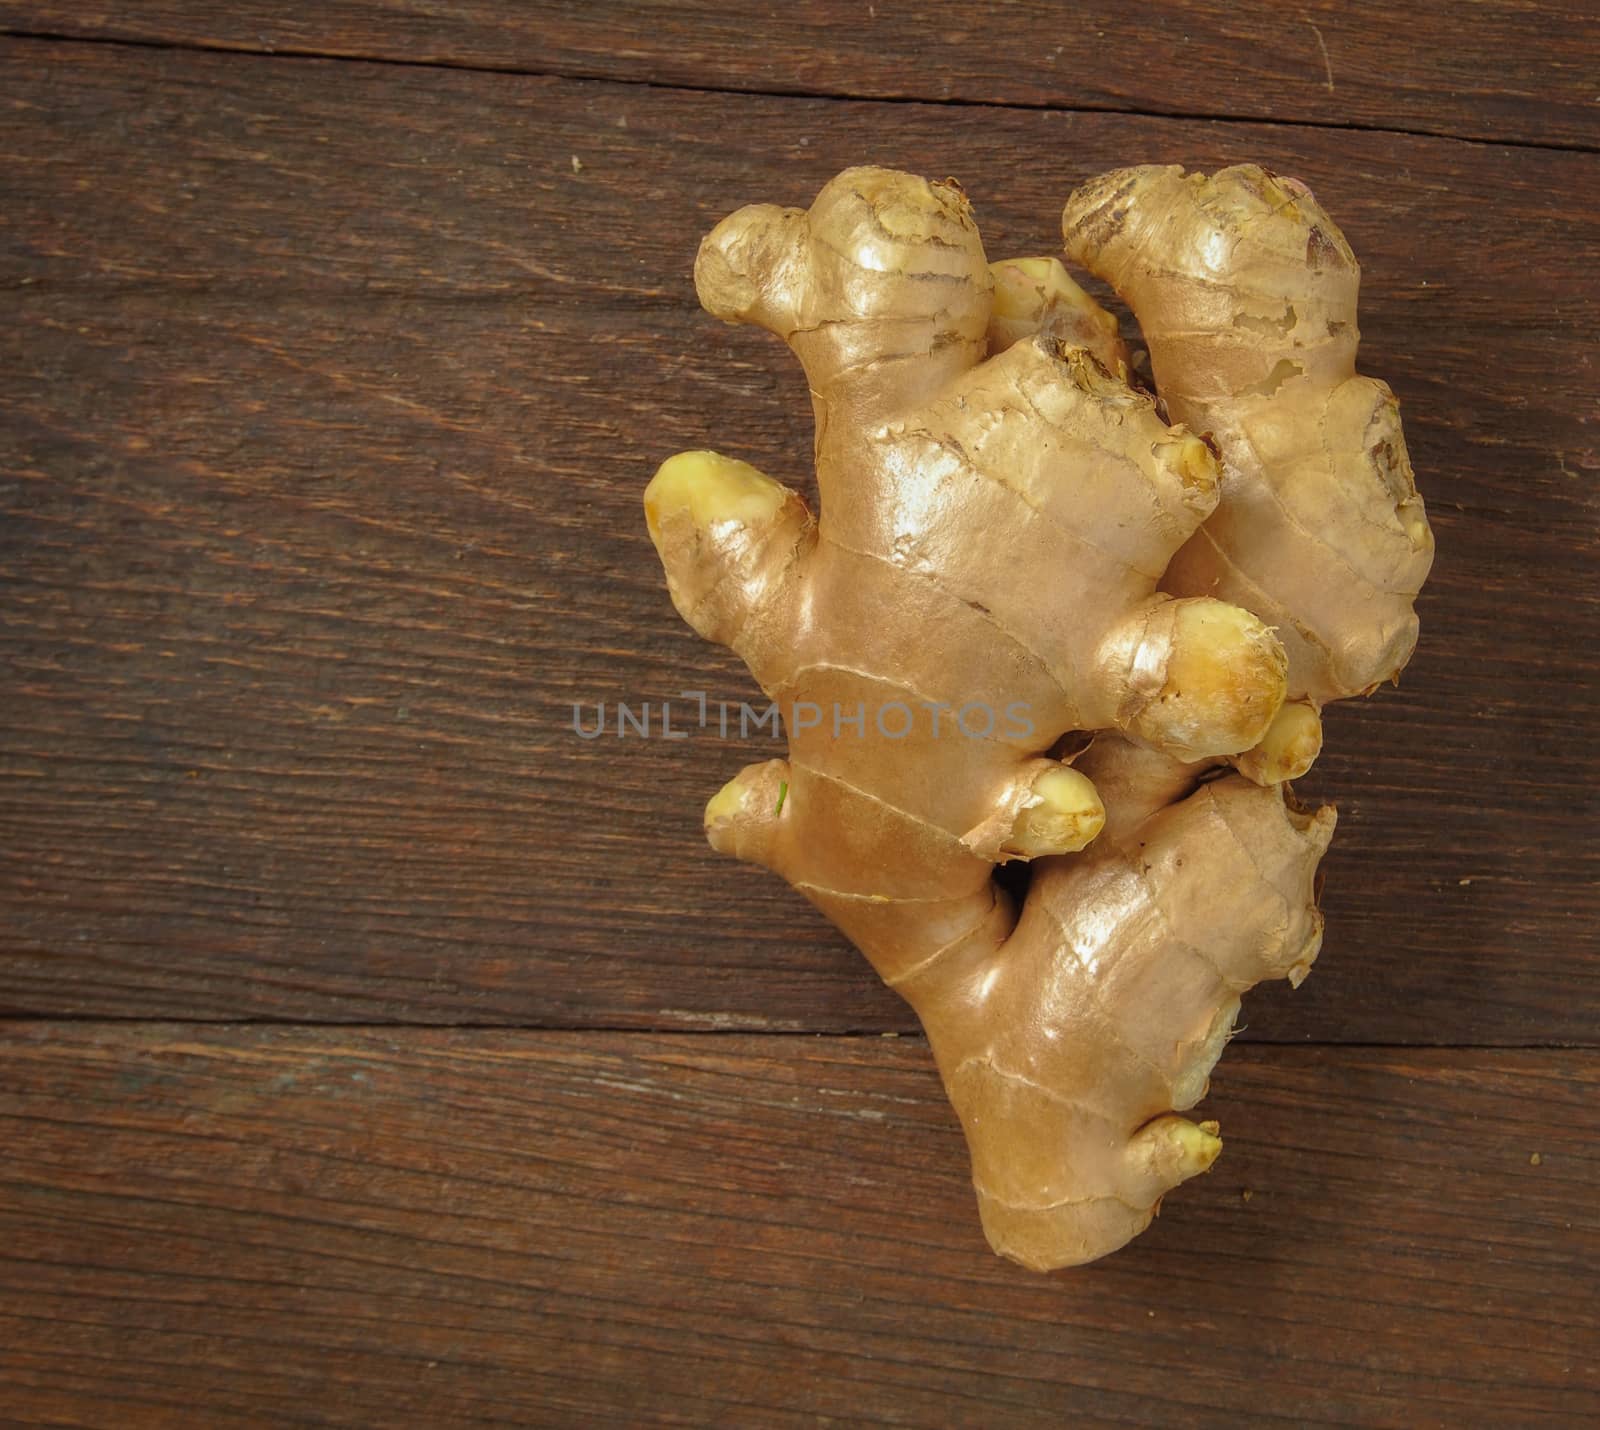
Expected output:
(1246, 294)
(731, 541)
(1037, 296)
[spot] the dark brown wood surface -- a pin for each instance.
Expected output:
(328, 388)
(332, 390)
(379, 1227)
(1492, 69)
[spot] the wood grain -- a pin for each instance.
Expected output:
(411, 1227)
(329, 392)
(1496, 69)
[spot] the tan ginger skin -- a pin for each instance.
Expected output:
(1017, 555)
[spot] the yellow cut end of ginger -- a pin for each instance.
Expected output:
(1198, 1144)
(1192, 460)
(710, 488)
(727, 803)
(1226, 673)
(1288, 749)
(1065, 816)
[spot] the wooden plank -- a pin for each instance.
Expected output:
(412, 1227)
(1497, 69)
(330, 393)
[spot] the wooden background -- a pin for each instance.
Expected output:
(375, 1052)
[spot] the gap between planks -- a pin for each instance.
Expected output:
(290, 52)
(19, 1021)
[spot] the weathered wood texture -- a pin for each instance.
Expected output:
(1493, 69)
(329, 393)
(433, 1228)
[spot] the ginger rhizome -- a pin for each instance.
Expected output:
(1043, 616)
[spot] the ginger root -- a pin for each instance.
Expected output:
(1018, 557)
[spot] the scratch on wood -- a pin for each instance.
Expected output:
(1327, 64)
